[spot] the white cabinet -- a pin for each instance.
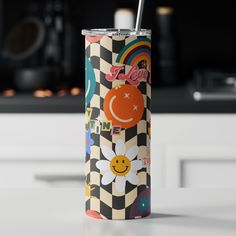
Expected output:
(42, 136)
(41, 150)
(194, 151)
(35, 174)
(201, 166)
(191, 151)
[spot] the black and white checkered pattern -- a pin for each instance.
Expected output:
(104, 199)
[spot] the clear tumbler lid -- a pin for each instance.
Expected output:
(116, 32)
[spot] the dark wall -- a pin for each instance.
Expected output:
(83, 14)
(207, 35)
(206, 30)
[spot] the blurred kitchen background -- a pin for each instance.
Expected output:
(42, 89)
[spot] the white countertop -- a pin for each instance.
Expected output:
(49, 212)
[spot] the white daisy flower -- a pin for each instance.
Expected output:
(120, 165)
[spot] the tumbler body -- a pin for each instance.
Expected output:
(118, 120)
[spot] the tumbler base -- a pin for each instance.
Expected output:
(96, 215)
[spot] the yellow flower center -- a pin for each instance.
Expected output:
(120, 165)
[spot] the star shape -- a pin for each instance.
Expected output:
(127, 95)
(135, 108)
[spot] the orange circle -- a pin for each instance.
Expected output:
(124, 106)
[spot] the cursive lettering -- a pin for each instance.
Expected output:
(135, 75)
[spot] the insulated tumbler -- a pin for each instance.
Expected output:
(118, 119)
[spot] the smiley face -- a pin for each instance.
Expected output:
(120, 165)
(124, 106)
(90, 81)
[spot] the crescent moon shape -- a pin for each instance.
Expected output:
(88, 88)
(113, 113)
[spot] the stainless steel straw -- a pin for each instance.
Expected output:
(139, 15)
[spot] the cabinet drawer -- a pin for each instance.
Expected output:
(36, 174)
(42, 136)
(200, 166)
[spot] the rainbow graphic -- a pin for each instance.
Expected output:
(135, 52)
